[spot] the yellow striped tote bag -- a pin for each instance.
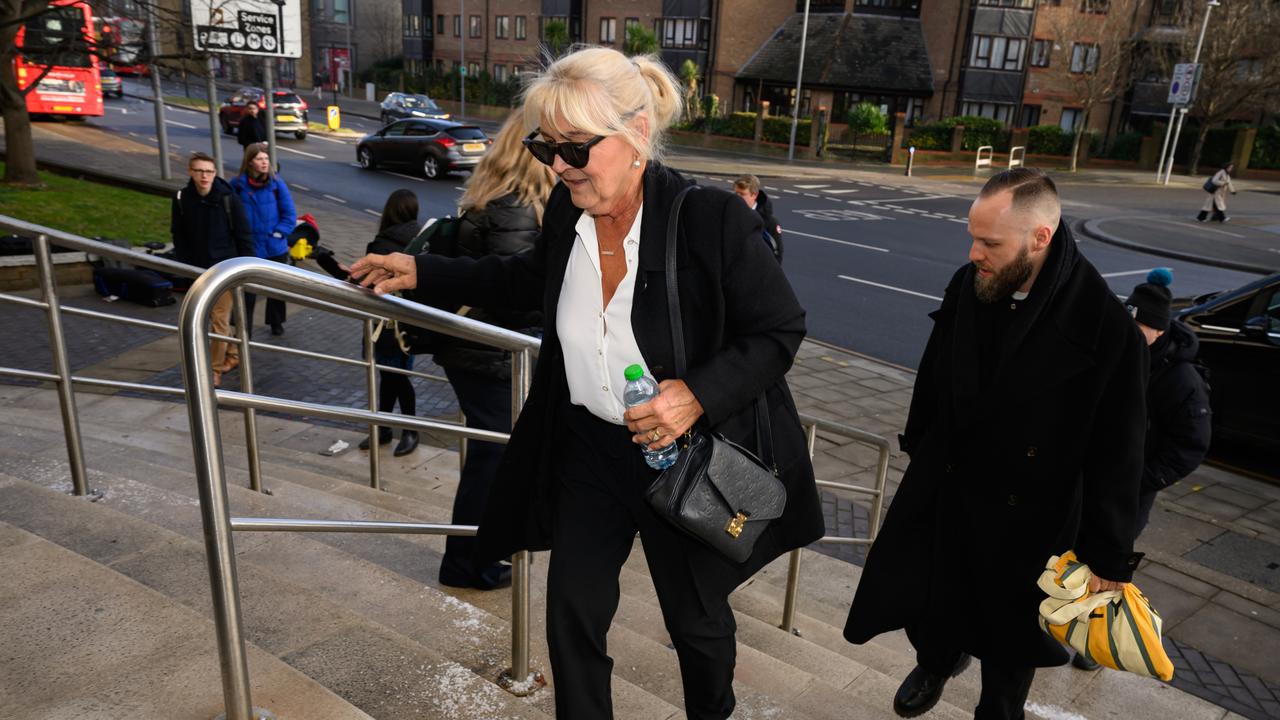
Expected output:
(1117, 628)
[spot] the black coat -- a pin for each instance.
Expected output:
(504, 227)
(1045, 459)
(391, 240)
(742, 327)
(1178, 416)
(764, 206)
(251, 130)
(207, 230)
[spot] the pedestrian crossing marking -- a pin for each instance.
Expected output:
(811, 187)
(841, 191)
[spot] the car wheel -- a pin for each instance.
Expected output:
(301, 134)
(431, 167)
(366, 159)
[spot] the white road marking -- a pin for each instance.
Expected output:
(1198, 226)
(889, 287)
(301, 152)
(375, 213)
(841, 191)
(771, 188)
(811, 187)
(301, 187)
(183, 110)
(134, 134)
(959, 220)
(841, 242)
(326, 139)
(812, 195)
(917, 198)
(791, 192)
(459, 188)
(336, 199)
(1129, 272)
(407, 177)
(180, 124)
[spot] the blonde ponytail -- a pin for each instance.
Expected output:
(600, 91)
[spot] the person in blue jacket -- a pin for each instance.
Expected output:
(272, 217)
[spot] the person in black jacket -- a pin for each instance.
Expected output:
(208, 225)
(398, 227)
(251, 128)
(501, 211)
(573, 477)
(1025, 437)
(748, 188)
(1179, 420)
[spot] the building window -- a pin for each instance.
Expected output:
(517, 70)
(1030, 115)
(683, 33)
(427, 30)
(997, 53)
(915, 111)
(440, 22)
(408, 26)
(608, 31)
(895, 7)
(501, 27)
(1071, 118)
(996, 111)
(628, 24)
(521, 28)
(1009, 3)
(474, 27)
(1040, 50)
(457, 26)
(1096, 6)
(500, 73)
(1084, 58)
(341, 11)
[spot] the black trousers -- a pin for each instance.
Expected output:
(599, 510)
(275, 308)
(392, 388)
(487, 404)
(1004, 688)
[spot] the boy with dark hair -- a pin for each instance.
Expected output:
(208, 225)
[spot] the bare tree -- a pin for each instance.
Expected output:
(384, 20)
(1239, 62)
(1098, 45)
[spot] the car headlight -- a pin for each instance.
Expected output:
(418, 113)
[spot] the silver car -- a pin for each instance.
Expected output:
(111, 83)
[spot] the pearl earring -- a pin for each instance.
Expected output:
(635, 163)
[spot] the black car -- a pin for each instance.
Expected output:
(401, 106)
(1239, 332)
(432, 147)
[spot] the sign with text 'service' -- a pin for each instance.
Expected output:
(271, 28)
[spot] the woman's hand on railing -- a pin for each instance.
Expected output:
(386, 273)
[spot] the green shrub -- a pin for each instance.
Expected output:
(929, 136)
(978, 131)
(1048, 140)
(866, 119)
(1126, 146)
(710, 105)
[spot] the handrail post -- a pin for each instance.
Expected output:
(58, 345)
(793, 565)
(518, 679)
(215, 516)
(877, 503)
(371, 378)
(243, 325)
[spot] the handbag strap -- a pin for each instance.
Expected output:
(764, 429)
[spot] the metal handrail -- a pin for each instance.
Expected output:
(812, 425)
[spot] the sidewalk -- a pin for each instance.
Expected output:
(1213, 546)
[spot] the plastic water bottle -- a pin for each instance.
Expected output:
(641, 389)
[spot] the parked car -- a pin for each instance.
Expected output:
(399, 106)
(432, 147)
(291, 110)
(111, 83)
(1239, 332)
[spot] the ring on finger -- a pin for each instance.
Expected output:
(656, 435)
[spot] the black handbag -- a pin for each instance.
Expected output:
(716, 491)
(1210, 187)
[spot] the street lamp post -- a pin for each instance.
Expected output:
(1182, 111)
(795, 106)
(462, 57)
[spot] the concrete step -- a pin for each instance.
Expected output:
(324, 640)
(84, 641)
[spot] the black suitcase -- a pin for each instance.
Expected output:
(144, 287)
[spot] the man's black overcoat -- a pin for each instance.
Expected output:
(742, 328)
(1046, 459)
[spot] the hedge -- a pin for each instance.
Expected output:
(978, 131)
(777, 129)
(1048, 140)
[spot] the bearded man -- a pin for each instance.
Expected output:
(1025, 436)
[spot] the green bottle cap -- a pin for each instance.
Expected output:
(633, 372)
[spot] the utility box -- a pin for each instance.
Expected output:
(334, 117)
(370, 92)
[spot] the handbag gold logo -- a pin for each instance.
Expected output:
(734, 526)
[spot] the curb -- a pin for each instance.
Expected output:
(1090, 229)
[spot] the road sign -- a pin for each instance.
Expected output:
(271, 28)
(335, 118)
(462, 70)
(1182, 90)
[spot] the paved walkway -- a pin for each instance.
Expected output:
(1213, 546)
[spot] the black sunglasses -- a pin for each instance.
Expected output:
(575, 154)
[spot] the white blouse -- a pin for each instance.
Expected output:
(598, 342)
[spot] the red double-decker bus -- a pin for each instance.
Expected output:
(55, 54)
(120, 44)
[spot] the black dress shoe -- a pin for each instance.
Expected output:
(1081, 662)
(494, 577)
(408, 443)
(922, 689)
(384, 438)
(277, 328)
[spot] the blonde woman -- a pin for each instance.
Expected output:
(501, 212)
(572, 478)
